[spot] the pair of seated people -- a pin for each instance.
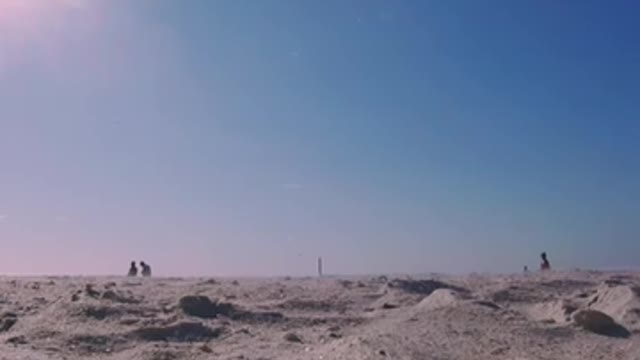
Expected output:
(146, 269)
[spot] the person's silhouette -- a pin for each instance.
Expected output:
(545, 265)
(146, 269)
(133, 270)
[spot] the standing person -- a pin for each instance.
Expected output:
(146, 269)
(545, 265)
(133, 270)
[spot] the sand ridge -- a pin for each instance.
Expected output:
(555, 315)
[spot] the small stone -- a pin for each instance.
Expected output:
(205, 348)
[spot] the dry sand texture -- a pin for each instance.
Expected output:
(568, 315)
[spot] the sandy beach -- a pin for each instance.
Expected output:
(555, 315)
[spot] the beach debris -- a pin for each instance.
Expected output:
(293, 337)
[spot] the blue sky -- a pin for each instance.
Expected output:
(250, 137)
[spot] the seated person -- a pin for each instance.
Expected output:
(146, 269)
(133, 270)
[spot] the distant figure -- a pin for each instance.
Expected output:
(146, 269)
(526, 269)
(133, 270)
(545, 262)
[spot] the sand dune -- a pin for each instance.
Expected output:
(568, 315)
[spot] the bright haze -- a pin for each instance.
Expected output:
(250, 137)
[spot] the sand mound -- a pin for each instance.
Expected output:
(438, 299)
(423, 287)
(557, 311)
(622, 303)
(457, 318)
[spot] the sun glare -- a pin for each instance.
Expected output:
(35, 28)
(15, 14)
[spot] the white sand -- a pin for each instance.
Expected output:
(473, 317)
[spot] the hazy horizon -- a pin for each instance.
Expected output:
(247, 138)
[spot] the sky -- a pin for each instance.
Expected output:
(247, 138)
